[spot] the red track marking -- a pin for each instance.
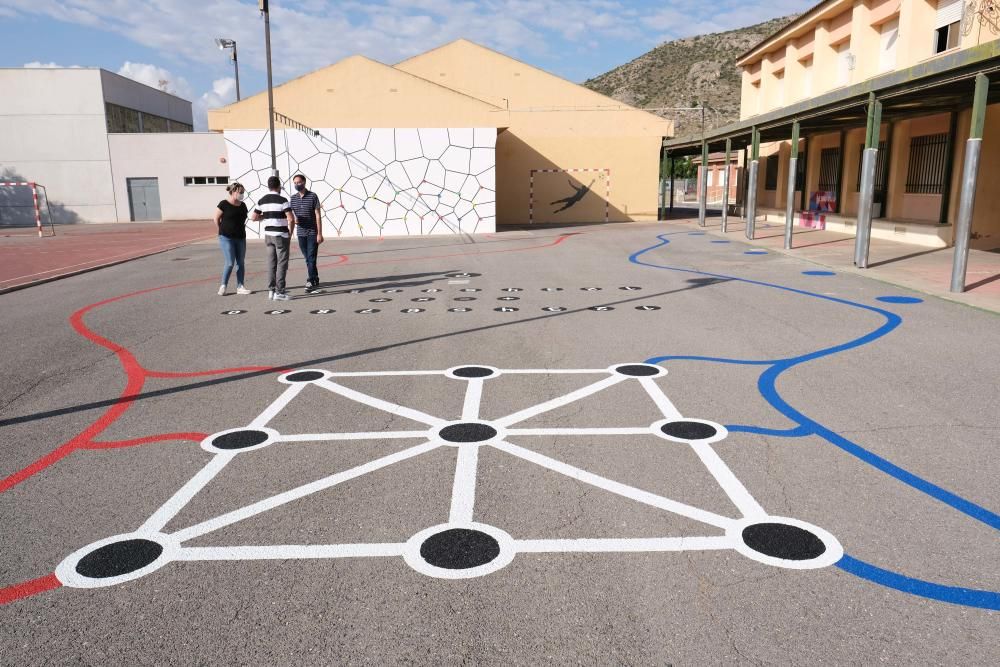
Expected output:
(30, 587)
(136, 375)
(118, 444)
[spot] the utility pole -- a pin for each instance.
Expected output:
(263, 4)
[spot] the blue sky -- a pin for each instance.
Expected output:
(172, 40)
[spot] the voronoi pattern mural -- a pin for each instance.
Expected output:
(380, 181)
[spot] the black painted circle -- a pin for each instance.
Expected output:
(232, 312)
(470, 289)
(412, 310)
(431, 290)
(322, 311)
(638, 370)
(119, 558)
(630, 288)
(304, 376)
(423, 299)
(511, 289)
(591, 289)
(381, 299)
(780, 540)
(688, 430)
(601, 308)
(508, 298)
(465, 298)
(367, 311)
(467, 432)
(647, 307)
(391, 291)
(553, 309)
(459, 549)
(552, 289)
(276, 312)
(473, 372)
(462, 275)
(459, 310)
(505, 309)
(239, 439)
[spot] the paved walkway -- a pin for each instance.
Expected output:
(920, 268)
(27, 260)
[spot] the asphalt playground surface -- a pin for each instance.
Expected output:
(608, 444)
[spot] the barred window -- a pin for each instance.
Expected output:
(771, 173)
(800, 173)
(925, 172)
(829, 170)
(206, 180)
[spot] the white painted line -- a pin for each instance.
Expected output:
(266, 504)
(463, 492)
(630, 545)
(617, 488)
(661, 400)
(371, 435)
(279, 404)
(631, 430)
(560, 401)
(289, 551)
(560, 371)
(183, 496)
(473, 396)
(366, 374)
(378, 403)
(733, 487)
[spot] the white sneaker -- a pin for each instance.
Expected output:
(309, 284)
(222, 290)
(240, 289)
(281, 296)
(270, 294)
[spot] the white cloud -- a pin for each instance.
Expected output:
(40, 65)
(157, 77)
(223, 92)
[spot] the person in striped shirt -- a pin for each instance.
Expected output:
(279, 224)
(306, 206)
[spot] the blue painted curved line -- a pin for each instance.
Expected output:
(899, 299)
(970, 597)
(818, 273)
(766, 385)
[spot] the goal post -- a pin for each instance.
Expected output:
(12, 212)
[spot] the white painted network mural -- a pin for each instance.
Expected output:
(380, 181)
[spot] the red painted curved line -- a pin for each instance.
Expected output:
(161, 437)
(28, 588)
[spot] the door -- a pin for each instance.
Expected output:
(144, 198)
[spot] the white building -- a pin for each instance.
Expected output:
(106, 148)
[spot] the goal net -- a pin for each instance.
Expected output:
(25, 204)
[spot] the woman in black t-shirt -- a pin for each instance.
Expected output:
(230, 218)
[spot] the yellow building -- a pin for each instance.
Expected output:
(848, 72)
(556, 140)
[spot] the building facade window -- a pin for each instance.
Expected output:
(829, 170)
(771, 173)
(151, 123)
(121, 119)
(206, 180)
(946, 25)
(807, 77)
(845, 63)
(888, 36)
(177, 126)
(925, 172)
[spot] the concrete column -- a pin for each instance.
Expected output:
(970, 172)
(703, 185)
(670, 210)
(862, 238)
(725, 187)
(793, 160)
(752, 185)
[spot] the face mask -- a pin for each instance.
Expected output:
(240, 196)
(300, 187)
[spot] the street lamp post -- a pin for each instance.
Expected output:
(263, 4)
(231, 44)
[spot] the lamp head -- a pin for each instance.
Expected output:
(224, 43)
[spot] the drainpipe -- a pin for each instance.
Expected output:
(725, 186)
(970, 172)
(793, 161)
(862, 238)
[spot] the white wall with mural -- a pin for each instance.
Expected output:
(379, 181)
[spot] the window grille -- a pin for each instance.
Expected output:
(771, 173)
(925, 172)
(800, 173)
(829, 170)
(881, 167)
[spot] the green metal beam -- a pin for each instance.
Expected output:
(979, 106)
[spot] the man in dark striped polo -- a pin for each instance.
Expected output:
(279, 223)
(305, 204)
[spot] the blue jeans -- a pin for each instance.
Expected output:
(234, 251)
(309, 248)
